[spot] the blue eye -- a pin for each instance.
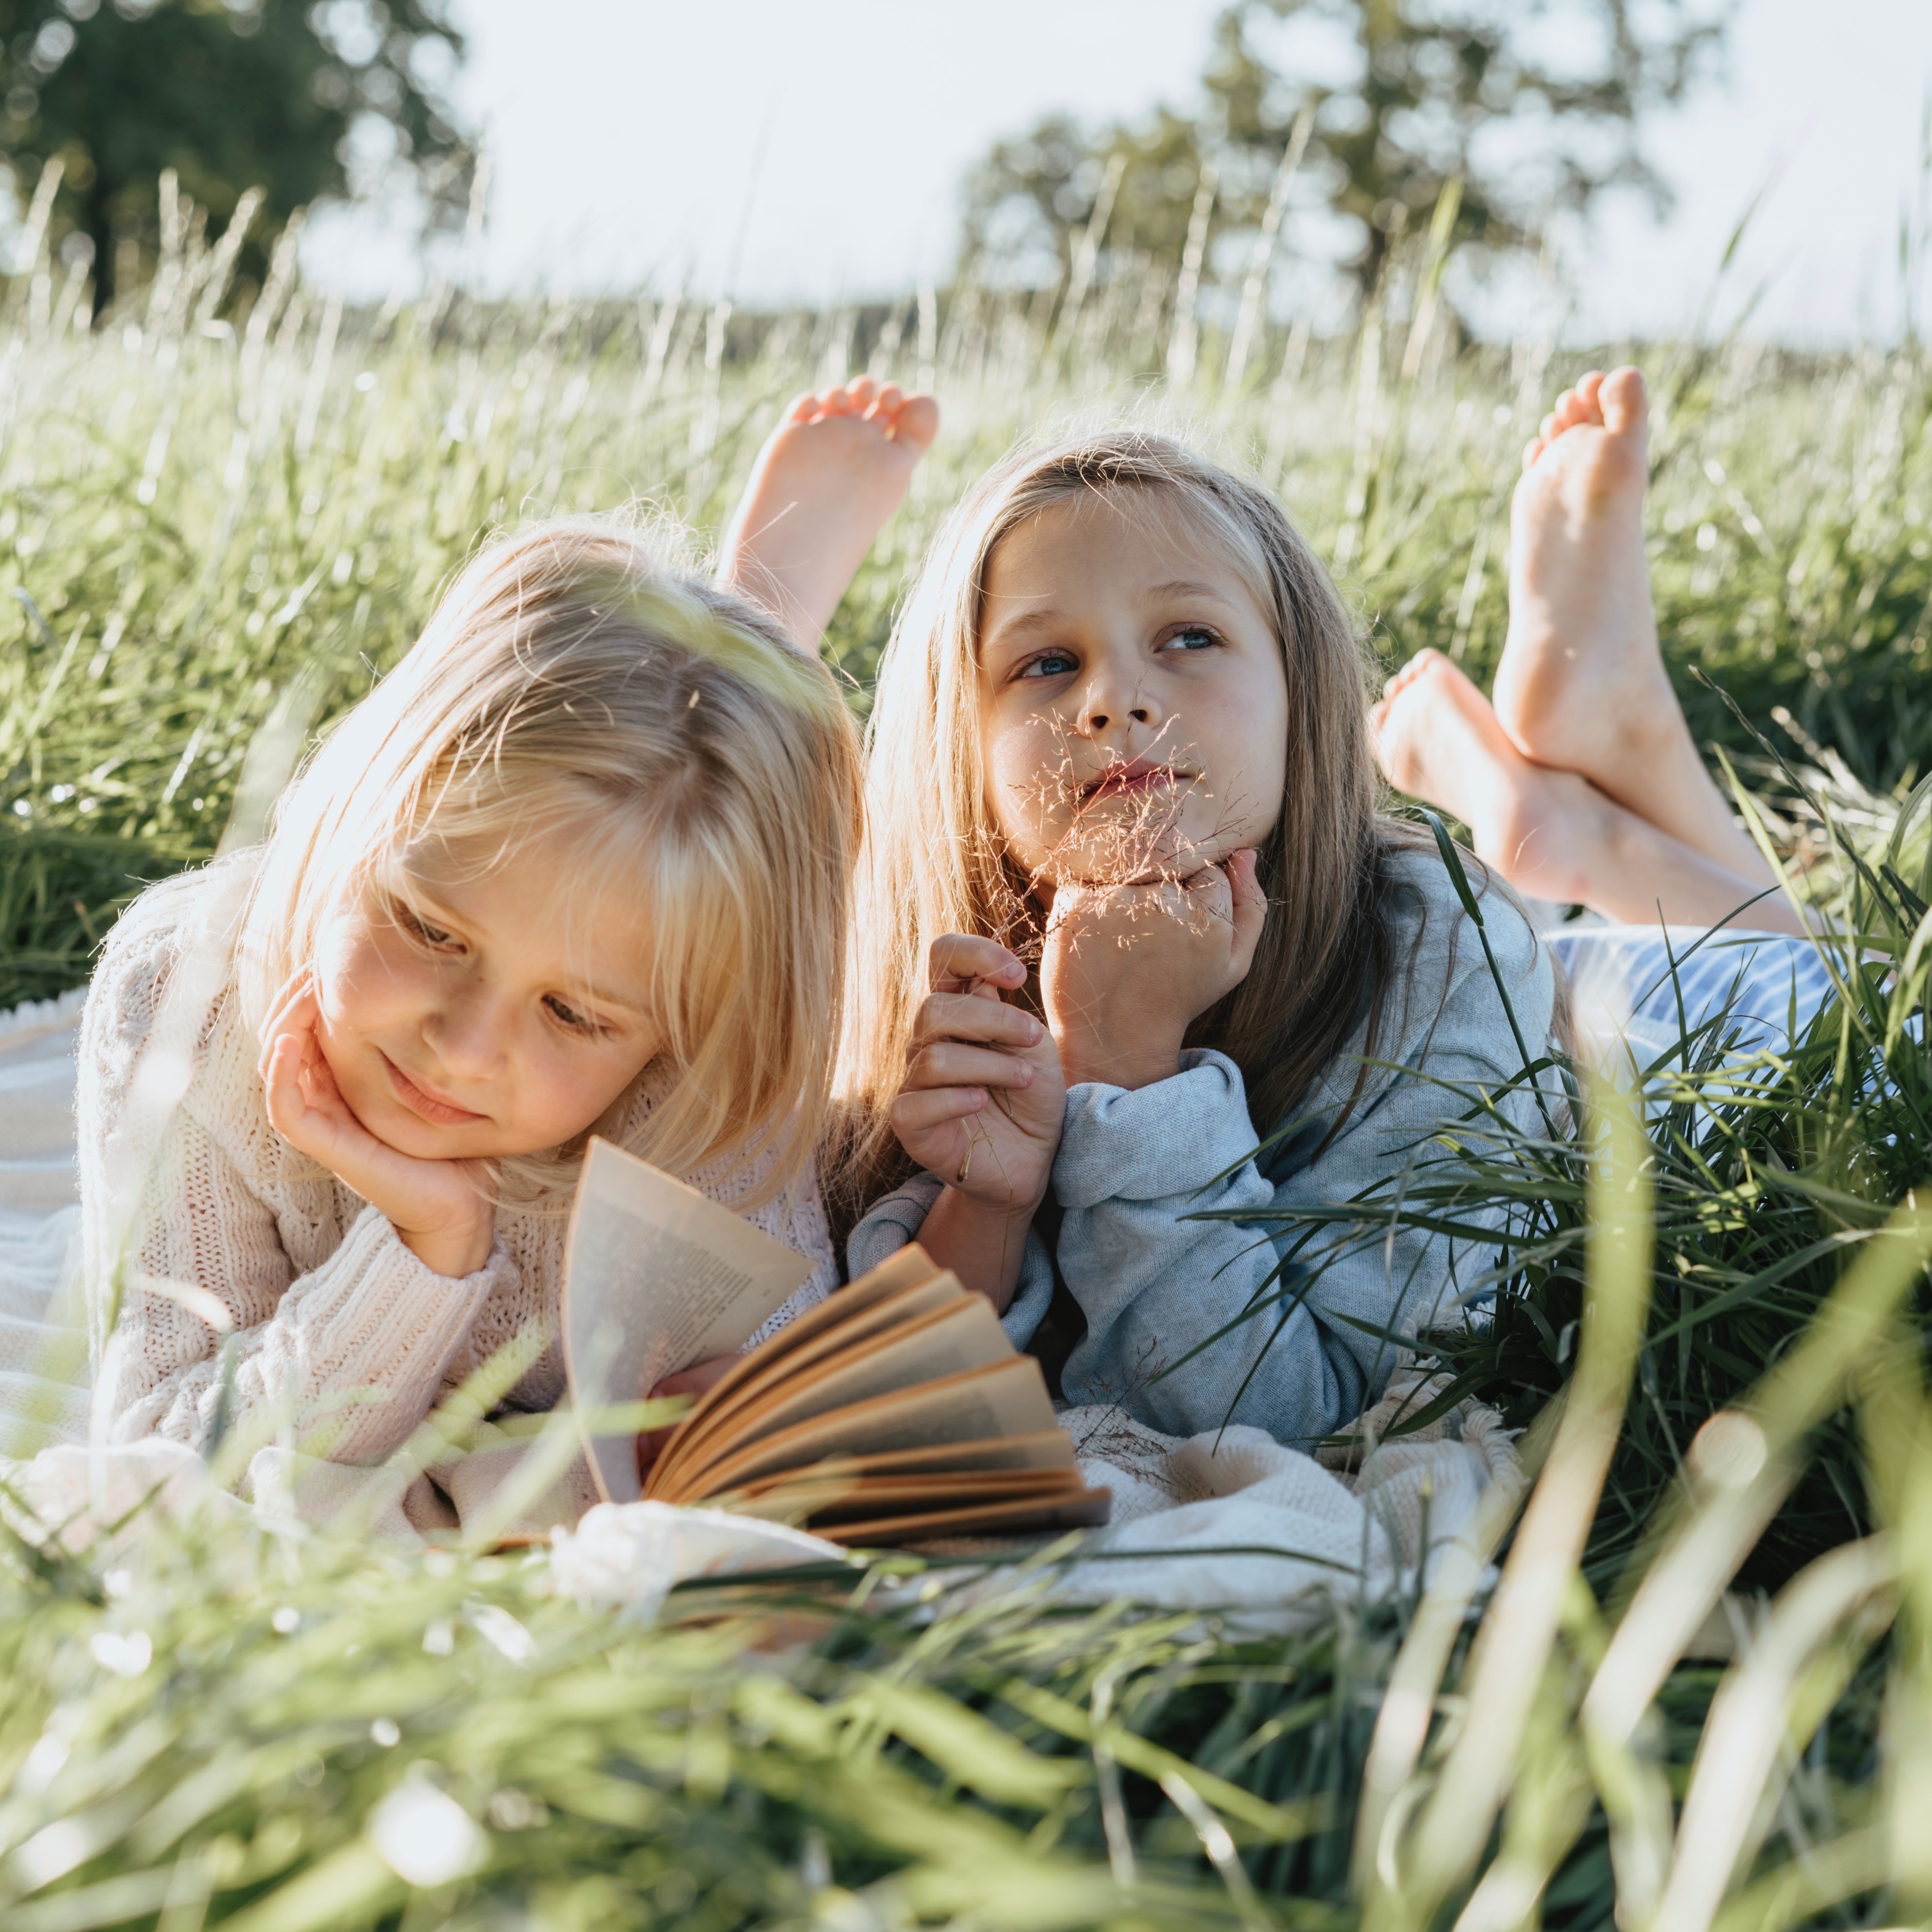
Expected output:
(1195, 637)
(1050, 664)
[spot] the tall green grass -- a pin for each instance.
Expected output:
(215, 515)
(209, 509)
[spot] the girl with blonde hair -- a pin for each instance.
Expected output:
(579, 864)
(1138, 957)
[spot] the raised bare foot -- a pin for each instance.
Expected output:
(1439, 740)
(1581, 676)
(828, 478)
(1582, 685)
(1552, 834)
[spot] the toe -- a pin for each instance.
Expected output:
(861, 390)
(1550, 429)
(1533, 449)
(803, 408)
(1588, 390)
(1625, 402)
(887, 403)
(917, 423)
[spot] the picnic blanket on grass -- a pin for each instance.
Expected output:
(1230, 1521)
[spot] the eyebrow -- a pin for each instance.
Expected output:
(1188, 586)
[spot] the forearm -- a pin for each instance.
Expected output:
(984, 1246)
(352, 1355)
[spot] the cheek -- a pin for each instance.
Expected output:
(1249, 770)
(1023, 759)
(362, 982)
(570, 1094)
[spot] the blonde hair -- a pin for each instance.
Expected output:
(568, 679)
(933, 863)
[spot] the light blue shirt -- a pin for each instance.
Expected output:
(1135, 1167)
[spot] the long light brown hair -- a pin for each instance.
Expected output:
(571, 680)
(932, 861)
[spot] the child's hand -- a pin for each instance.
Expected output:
(698, 1380)
(983, 1096)
(1128, 969)
(435, 1206)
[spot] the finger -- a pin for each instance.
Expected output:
(959, 1016)
(281, 1085)
(1208, 900)
(951, 1063)
(297, 1010)
(914, 1114)
(1250, 907)
(959, 959)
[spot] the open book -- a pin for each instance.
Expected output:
(894, 1410)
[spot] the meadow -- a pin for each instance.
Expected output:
(219, 519)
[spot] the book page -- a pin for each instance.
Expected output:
(1009, 1398)
(714, 1426)
(964, 1334)
(1049, 1448)
(809, 1501)
(656, 1277)
(1085, 1509)
(911, 1267)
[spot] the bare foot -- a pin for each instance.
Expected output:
(1551, 833)
(1582, 684)
(1439, 740)
(828, 478)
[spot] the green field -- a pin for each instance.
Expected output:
(215, 529)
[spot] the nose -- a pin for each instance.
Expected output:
(1117, 703)
(467, 1031)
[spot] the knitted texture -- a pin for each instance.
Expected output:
(347, 1340)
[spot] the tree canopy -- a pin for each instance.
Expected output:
(303, 102)
(1528, 108)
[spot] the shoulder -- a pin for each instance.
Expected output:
(176, 936)
(1442, 976)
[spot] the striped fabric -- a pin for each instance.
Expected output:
(1759, 988)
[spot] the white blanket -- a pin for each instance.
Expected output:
(1228, 1521)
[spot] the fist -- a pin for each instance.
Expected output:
(1128, 969)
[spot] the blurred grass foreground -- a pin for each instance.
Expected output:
(1702, 1696)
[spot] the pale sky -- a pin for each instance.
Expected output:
(814, 148)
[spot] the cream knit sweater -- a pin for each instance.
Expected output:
(346, 1340)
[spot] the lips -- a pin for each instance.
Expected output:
(430, 1107)
(1128, 781)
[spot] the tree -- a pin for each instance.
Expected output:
(230, 94)
(1531, 107)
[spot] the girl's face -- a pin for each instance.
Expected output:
(480, 1011)
(1133, 698)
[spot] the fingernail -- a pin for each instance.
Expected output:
(1026, 1074)
(1035, 1032)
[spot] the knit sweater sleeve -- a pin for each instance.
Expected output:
(349, 1354)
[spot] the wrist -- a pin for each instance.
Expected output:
(984, 1243)
(1089, 1057)
(454, 1252)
